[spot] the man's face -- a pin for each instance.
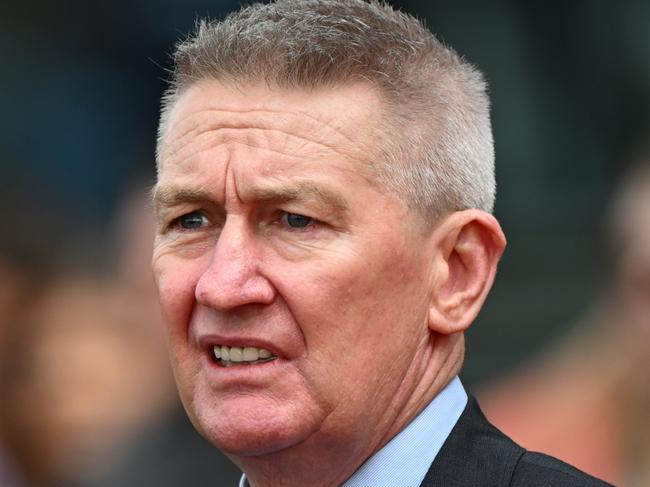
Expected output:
(275, 238)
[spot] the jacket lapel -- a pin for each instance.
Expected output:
(474, 454)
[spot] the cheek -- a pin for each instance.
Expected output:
(359, 299)
(362, 326)
(176, 281)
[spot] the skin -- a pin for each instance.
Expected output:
(364, 305)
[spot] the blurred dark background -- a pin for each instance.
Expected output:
(570, 87)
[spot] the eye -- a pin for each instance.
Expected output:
(294, 220)
(192, 221)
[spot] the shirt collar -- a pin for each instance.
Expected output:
(405, 459)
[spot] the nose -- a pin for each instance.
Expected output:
(232, 278)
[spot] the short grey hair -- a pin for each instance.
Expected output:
(437, 151)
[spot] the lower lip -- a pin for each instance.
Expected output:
(242, 374)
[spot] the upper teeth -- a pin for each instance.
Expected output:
(241, 354)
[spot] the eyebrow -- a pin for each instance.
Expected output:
(166, 196)
(174, 195)
(299, 191)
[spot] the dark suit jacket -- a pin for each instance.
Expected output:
(476, 454)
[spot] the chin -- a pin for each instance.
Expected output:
(247, 426)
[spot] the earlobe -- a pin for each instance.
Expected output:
(470, 244)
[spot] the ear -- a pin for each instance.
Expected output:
(469, 245)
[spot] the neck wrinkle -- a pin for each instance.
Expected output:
(440, 368)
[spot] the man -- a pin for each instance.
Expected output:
(325, 183)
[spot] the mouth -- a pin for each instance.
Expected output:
(228, 356)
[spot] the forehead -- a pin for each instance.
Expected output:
(341, 118)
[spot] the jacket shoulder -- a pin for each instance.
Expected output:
(536, 469)
(477, 454)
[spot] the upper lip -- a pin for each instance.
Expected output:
(208, 342)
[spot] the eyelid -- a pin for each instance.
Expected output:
(286, 214)
(313, 222)
(174, 223)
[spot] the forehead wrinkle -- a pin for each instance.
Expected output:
(217, 135)
(265, 112)
(268, 121)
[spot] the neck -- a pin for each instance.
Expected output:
(311, 462)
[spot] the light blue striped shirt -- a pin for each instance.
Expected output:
(405, 460)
